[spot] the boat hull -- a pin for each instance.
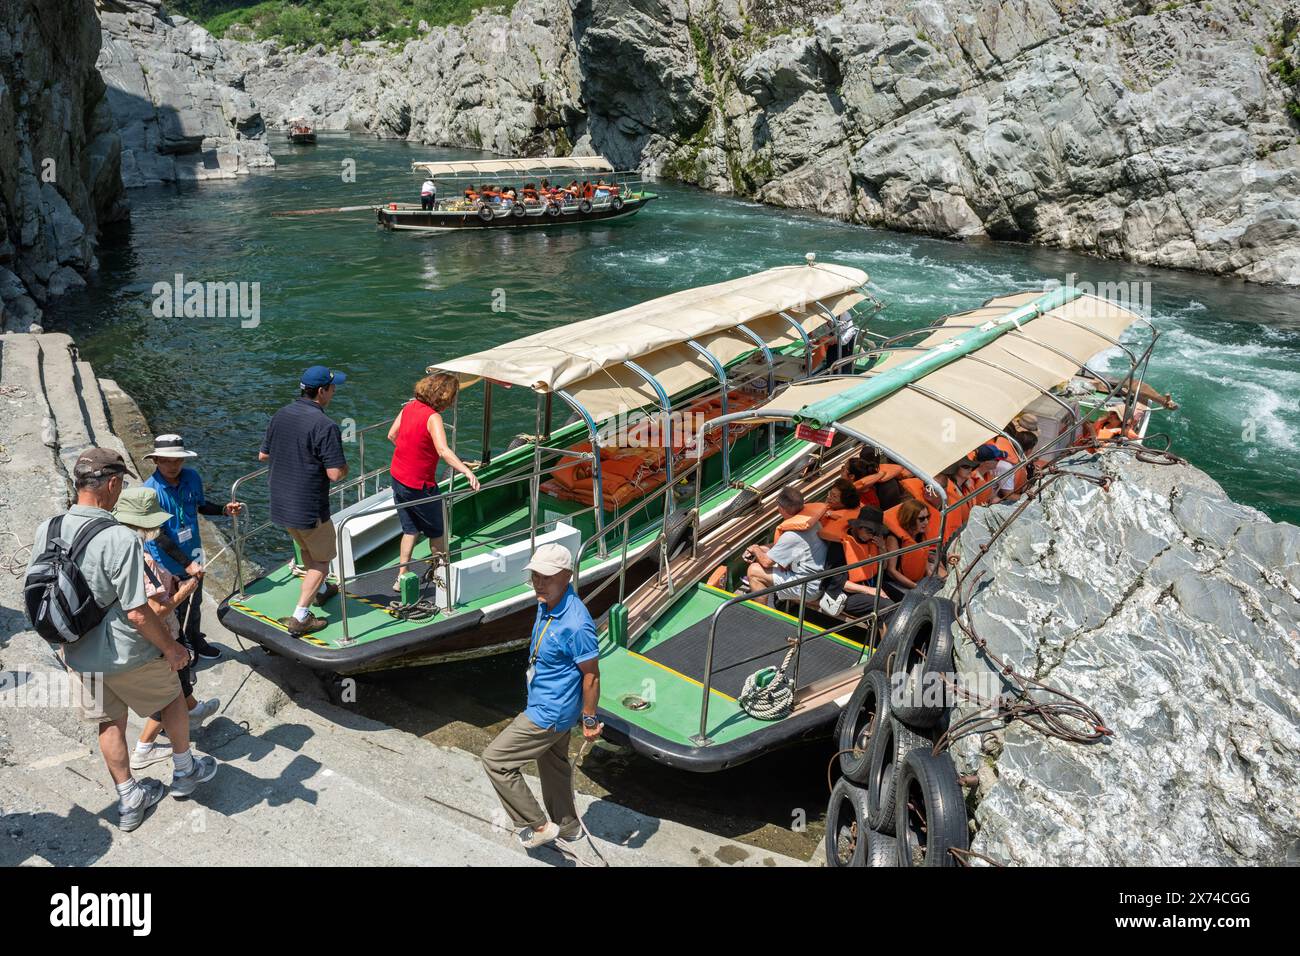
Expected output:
(441, 220)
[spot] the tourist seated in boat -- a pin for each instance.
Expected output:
(866, 537)
(858, 471)
(842, 506)
(908, 523)
(529, 193)
(798, 550)
(1013, 483)
(1111, 426)
(587, 189)
(420, 442)
(600, 191)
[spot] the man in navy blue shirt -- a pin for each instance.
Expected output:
(305, 449)
(178, 548)
(563, 688)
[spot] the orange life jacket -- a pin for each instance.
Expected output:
(914, 564)
(855, 551)
(835, 523)
(1019, 478)
(804, 520)
(957, 516)
(914, 487)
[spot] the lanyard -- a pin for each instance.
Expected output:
(537, 646)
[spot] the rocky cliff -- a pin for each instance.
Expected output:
(1161, 133)
(177, 100)
(59, 154)
(1175, 614)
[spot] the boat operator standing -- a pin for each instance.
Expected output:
(428, 195)
(563, 687)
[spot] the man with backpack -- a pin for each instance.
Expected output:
(85, 594)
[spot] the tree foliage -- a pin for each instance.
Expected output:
(330, 21)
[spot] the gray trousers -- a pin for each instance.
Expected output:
(523, 742)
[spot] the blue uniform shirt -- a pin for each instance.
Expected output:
(182, 501)
(563, 637)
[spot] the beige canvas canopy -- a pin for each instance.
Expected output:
(524, 166)
(936, 421)
(587, 359)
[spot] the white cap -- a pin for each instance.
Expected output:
(551, 559)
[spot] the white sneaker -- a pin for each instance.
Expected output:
(532, 839)
(203, 710)
(832, 606)
(156, 753)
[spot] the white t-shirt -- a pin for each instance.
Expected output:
(1006, 484)
(427, 189)
(845, 328)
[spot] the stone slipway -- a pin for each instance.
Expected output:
(303, 781)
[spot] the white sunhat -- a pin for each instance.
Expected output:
(551, 559)
(170, 446)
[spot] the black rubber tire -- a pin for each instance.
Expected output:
(898, 622)
(584, 206)
(518, 210)
(923, 665)
(552, 209)
(846, 825)
(889, 744)
(882, 849)
(485, 213)
(865, 711)
(616, 203)
(928, 784)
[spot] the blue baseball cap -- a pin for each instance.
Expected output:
(989, 453)
(318, 376)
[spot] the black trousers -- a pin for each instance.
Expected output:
(426, 202)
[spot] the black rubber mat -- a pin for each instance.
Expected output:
(377, 586)
(744, 632)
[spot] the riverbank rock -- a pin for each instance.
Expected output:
(59, 154)
(1161, 133)
(1174, 613)
(177, 100)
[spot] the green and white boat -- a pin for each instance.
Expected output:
(676, 652)
(605, 479)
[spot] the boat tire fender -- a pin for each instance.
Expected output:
(485, 213)
(898, 621)
(584, 207)
(867, 709)
(552, 209)
(891, 742)
(518, 210)
(923, 664)
(930, 811)
(616, 203)
(882, 849)
(846, 824)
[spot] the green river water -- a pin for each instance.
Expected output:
(381, 306)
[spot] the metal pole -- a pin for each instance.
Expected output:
(798, 646)
(487, 423)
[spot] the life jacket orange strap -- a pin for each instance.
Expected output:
(804, 520)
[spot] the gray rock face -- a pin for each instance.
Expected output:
(1128, 129)
(179, 104)
(59, 154)
(1175, 614)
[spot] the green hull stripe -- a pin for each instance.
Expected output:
(826, 412)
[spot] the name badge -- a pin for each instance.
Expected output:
(184, 535)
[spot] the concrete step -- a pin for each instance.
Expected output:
(92, 397)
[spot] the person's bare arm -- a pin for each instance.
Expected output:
(392, 432)
(439, 436)
(151, 628)
(263, 456)
(337, 474)
(590, 693)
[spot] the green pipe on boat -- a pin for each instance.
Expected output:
(826, 412)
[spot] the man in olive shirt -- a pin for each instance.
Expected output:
(128, 660)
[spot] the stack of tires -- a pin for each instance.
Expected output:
(896, 803)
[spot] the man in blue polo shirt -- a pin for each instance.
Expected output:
(563, 688)
(305, 449)
(178, 549)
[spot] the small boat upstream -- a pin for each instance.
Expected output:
(301, 133)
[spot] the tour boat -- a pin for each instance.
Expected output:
(459, 205)
(605, 480)
(676, 652)
(300, 132)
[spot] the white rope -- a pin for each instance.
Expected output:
(774, 701)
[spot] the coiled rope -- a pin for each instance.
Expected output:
(773, 700)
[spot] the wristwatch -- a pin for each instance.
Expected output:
(589, 720)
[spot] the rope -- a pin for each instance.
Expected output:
(775, 700)
(422, 608)
(15, 562)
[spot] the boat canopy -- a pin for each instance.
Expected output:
(522, 167)
(588, 360)
(941, 401)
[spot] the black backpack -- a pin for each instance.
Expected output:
(60, 605)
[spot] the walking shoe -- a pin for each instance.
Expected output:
(204, 709)
(532, 839)
(297, 628)
(206, 651)
(151, 791)
(832, 606)
(331, 591)
(156, 753)
(204, 769)
(571, 836)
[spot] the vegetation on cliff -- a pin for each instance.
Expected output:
(330, 21)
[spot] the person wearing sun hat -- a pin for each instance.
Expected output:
(139, 510)
(179, 549)
(304, 450)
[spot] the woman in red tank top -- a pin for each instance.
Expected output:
(421, 442)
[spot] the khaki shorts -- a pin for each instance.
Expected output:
(318, 543)
(146, 689)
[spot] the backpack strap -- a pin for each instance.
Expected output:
(87, 531)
